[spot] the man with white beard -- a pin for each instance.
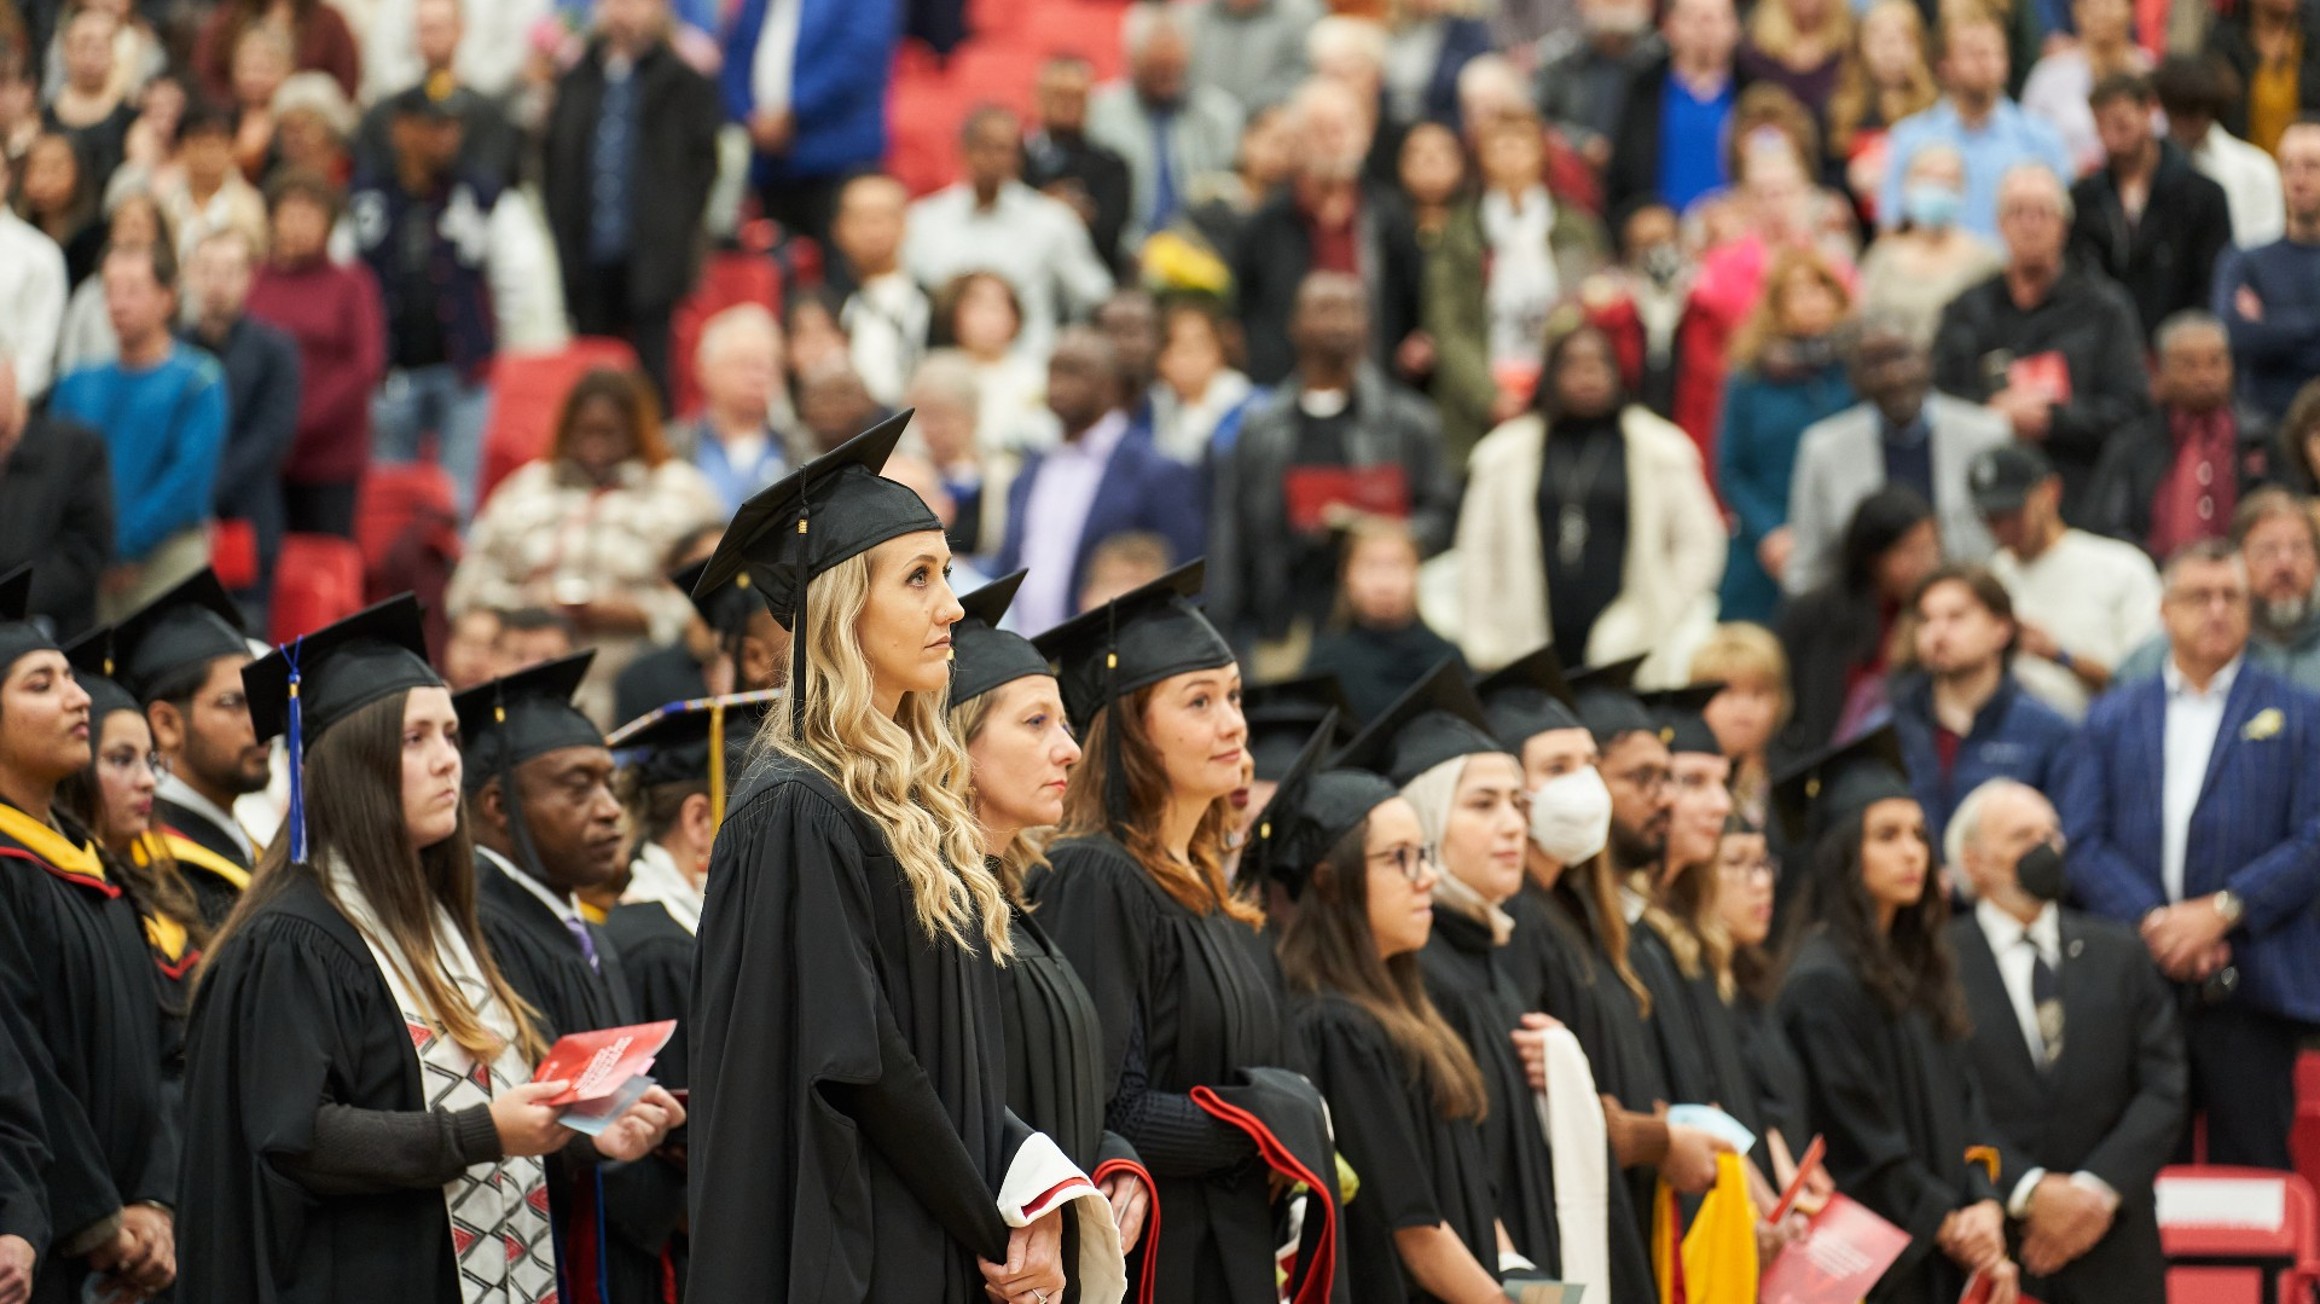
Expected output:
(2278, 538)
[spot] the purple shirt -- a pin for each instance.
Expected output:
(1056, 517)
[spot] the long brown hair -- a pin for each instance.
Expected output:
(1328, 947)
(1769, 321)
(158, 885)
(1856, 103)
(1685, 914)
(1909, 968)
(627, 391)
(1200, 886)
(354, 812)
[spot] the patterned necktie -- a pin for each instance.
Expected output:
(2046, 999)
(587, 944)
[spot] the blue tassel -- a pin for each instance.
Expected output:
(296, 743)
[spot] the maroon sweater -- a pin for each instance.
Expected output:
(334, 314)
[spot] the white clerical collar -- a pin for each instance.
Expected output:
(177, 792)
(563, 907)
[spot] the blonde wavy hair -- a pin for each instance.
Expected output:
(908, 773)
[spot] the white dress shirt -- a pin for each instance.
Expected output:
(2005, 934)
(32, 297)
(2251, 186)
(1037, 244)
(2193, 720)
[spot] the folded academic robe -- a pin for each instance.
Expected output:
(614, 1220)
(1467, 977)
(1900, 1107)
(215, 866)
(1055, 1071)
(1185, 1000)
(23, 1144)
(77, 981)
(1418, 1168)
(850, 1138)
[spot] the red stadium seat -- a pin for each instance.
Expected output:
(2304, 1139)
(2230, 1233)
(394, 496)
(527, 391)
(317, 580)
(727, 280)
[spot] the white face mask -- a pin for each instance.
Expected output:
(1571, 816)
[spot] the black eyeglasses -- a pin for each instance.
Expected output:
(1413, 863)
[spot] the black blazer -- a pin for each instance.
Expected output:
(678, 114)
(2166, 261)
(1633, 176)
(56, 510)
(2113, 1106)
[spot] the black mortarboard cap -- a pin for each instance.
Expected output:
(1134, 641)
(1310, 812)
(1283, 715)
(1145, 635)
(831, 510)
(984, 656)
(193, 624)
(18, 635)
(1526, 698)
(1604, 697)
(671, 744)
(309, 684)
(727, 608)
(514, 718)
(92, 660)
(1437, 720)
(1820, 792)
(1681, 726)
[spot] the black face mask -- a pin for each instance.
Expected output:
(2040, 872)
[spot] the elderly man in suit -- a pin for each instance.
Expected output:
(1103, 479)
(2079, 1053)
(1901, 433)
(1170, 129)
(2193, 808)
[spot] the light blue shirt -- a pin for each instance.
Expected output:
(735, 483)
(1055, 516)
(2008, 137)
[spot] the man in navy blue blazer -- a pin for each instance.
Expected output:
(2192, 807)
(1105, 478)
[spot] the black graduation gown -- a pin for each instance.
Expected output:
(292, 1014)
(78, 983)
(23, 1144)
(1731, 1086)
(1775, 1072)
(1676, 1039)
(1197, 995)
(640, 1202)
(1899, 1107)
(1417, 1167)
(656, 954)
(849, 1121)
(214, 892)
(1055, 1058)
(1467, 978)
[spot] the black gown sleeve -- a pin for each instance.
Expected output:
(23, 1149)
(81, 1195)
(1348, 1059)
(1176, 1137)
(366, 1151)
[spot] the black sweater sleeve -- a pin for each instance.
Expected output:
(1175, 1137)
(369, 1151)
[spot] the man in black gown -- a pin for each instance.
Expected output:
(546, 825)
(182, 657)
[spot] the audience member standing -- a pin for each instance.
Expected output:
(33, 289)
(2093, 1110)
(2052, 347)
(2264, 295)
(2270, 46)
(1841, 636)
(2192, 95)
(1974, 117)
(738, 441)
(991, 221)
(1901, 434)
(887, 314)
(808, 79)
(2085, 601)
(436, 33)
(1168, 128)
(1252, 50)
(1097, 482)
(1675, 109)
(2193, 810)
(1583, 74)
(56, 508)
(263, 389)
(1588, 522)
(1337, 438)
(2278, 541)
(2062, 85)
(630, 154)
(1061, 161)
(2146, 218)
(318, 39)
(1965, 719)
(162, 408)
(2175, 474)
(1912, 271)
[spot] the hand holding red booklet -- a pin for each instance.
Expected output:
(1843, 1252)
(605, 1070)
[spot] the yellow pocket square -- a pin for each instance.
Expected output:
(2266, 724)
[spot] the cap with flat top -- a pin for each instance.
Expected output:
(528, 714)
(92, 661)
(984, 656)
(193, 624)
(1282, 716)
(1134, 641)
(827, 512)
(1312, 810)
(1818, 793)
(2001, 477)
(1681, 725)
(18, 634)
(1604, 698)
(1527, 697)
(1437, 720)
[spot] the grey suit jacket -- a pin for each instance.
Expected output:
(1203, 139)
(1839, 463)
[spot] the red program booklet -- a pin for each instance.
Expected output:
(2042, 373)
(600, 1063)
(1313, 491)
(1843, 1253)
